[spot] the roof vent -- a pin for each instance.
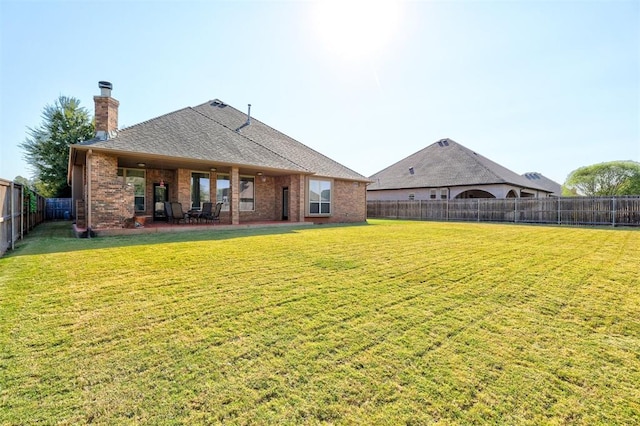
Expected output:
(246, 123)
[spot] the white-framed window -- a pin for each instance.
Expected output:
(200, 189)
(319, 196)
(432, 194)
(136, 178)
(443, 194)
(412, 197)
(246, 192)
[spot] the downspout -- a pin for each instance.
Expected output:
(88, 206)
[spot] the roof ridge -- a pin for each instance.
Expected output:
(245, 136)
(468, 152)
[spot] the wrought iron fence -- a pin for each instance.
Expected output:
(613, 211)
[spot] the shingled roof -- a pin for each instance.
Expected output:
(209, 132)
(446, 163)
(554, 187)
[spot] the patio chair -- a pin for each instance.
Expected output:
(168, 212)
(202, 214)
(215, 215)
(177, 213)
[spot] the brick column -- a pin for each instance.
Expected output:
(234, 207)
(183, 184)
(296, 198)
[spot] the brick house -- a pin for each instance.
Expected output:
(447, 170)
(208, 153)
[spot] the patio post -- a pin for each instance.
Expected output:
(235, 195)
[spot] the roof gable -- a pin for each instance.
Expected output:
(445, 163)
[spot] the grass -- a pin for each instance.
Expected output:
(388, 323)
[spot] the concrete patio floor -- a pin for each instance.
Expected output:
(164, 227)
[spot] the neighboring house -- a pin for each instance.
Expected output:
(545, 182)
(448, 170)
(208, 153)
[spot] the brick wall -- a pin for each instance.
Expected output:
(106, 113)
(111, 198)
(154, 176)
(348, 203)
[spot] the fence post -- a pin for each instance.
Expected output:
(613, 213)
(515, 210)
(559, 217)
(447, 210)
(12, 219)
(478, 209)
(22, 211)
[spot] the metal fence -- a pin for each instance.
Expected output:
(20, 212)
(613, 211)
(58, 208)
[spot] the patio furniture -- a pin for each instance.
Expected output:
(201, 214)
(177, 213)
(168, 212)
(215, 215)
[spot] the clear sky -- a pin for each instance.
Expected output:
(546, 86)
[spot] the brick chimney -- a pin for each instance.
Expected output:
(106, 113)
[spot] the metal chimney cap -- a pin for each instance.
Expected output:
(105, 85)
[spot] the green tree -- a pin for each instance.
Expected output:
(47, 146)
(606, 179)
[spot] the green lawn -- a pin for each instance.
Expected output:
(393, 322)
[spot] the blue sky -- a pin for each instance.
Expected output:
(545, 86)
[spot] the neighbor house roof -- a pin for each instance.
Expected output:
(210, 132)
(538, 178)
(446, 163)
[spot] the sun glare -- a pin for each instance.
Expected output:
(355, 29)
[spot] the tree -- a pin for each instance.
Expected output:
(47, 146)
(606, 179)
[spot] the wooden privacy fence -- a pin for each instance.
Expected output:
(20, 211)
(614, 211)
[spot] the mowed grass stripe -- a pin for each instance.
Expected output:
(391, 322)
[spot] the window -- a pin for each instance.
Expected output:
(199, 189)
(246, 192)
(412, 197)
(319, 197)
(443, 194)
(222, 191)
(432, 194)
(136, 178)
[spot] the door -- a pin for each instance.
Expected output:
(285, 203)
(160, 195)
